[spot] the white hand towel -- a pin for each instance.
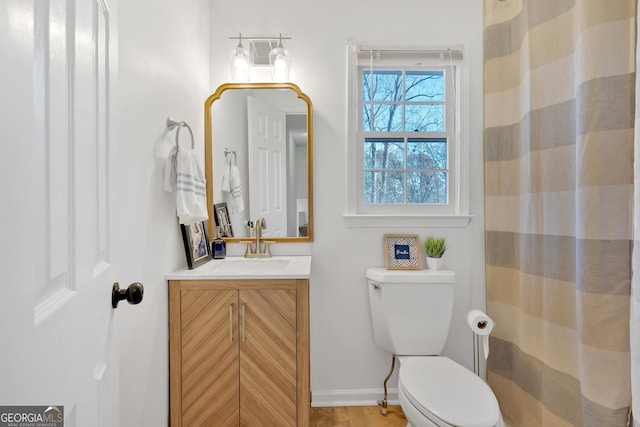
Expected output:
(232, 184)
(191, 200)
(170, 177)
(226, 178)
(236, 190)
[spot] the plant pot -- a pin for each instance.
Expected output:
(434, 263)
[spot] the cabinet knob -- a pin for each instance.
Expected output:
(133, 294)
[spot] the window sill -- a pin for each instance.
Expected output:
(406, 220)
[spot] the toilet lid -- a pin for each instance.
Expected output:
(452, 393)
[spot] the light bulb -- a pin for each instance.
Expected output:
(240, 63)
(280, 63)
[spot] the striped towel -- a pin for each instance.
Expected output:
(183, 175)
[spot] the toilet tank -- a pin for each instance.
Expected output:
(411, 309)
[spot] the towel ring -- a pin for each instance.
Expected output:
(228, 153)
(171, 123)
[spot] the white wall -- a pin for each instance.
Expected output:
(163, 71)
(345, 362)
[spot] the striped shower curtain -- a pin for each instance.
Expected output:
(559, 87)
(635, 262)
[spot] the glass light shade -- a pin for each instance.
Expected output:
(240, 64)
(280, 64)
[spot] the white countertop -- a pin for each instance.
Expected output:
(276, 267)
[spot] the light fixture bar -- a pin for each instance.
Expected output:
(249, 38)
(260, 51)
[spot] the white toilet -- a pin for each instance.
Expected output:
(411, 313)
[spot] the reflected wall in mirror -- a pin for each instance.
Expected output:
(259, 159)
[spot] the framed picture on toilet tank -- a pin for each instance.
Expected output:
(402, 252)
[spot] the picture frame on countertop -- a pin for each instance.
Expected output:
(196, 244)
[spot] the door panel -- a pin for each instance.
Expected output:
(57, 62)
(209, 357)
(268, 165)
(268, 358)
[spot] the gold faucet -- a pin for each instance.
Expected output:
(258, 248)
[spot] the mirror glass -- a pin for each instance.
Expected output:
(258, 160)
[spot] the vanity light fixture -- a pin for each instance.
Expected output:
(280, 63)
(260, 52)
(240, 62)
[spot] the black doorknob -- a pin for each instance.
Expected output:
(133, 294)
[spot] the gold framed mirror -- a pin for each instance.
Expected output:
(259, 161)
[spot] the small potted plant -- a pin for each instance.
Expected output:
(434, 247)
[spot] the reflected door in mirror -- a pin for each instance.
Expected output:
(267, 163)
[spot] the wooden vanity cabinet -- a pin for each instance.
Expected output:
(239, 352)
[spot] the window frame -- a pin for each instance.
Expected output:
(455, 212)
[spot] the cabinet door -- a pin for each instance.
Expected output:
(210, 394)
(268, 358)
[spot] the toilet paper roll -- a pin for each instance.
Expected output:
(482, 325)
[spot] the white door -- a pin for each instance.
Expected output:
(57, 255)
(268, 166)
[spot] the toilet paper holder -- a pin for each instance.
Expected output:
(476, 354)
(481, 325)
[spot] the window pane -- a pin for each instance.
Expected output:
(384, 153)
(387, 86)
(366, 117)
(384, 187)
(387, 118)
(366, 86)
(425, 86)
(427, 154)
(427, 187)
(425, 118)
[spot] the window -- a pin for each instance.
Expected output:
(405, 171)
(406, 142)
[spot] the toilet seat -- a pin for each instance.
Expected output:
(447, 393)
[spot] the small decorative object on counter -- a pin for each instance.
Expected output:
(218, 245)
(196, 243)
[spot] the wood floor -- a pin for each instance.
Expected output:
(357, 416)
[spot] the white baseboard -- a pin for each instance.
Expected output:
(360, 397)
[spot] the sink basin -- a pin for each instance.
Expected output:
(277, 267)
(248, 266)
